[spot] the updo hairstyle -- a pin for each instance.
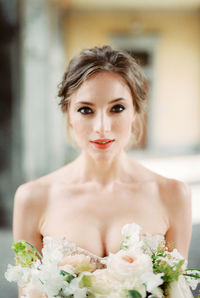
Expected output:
(91, 61)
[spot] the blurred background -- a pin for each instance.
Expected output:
(37, 39)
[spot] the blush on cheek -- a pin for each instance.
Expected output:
(123, 127)
(81, 132)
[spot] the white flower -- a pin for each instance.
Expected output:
(134, 284)
(176, 254)
(73, 289)
(131, 229)
(193, 282)
(102, 283)
(36, 264)
(151, 280)
(126, 264)
(52, 251)
(52, 280)
(173, 258)
(131, 233)
(112, 295)
(158, 292)
(18, 274)
(153, 241)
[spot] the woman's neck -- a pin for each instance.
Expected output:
(102, 172)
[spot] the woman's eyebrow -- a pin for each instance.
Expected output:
(91, 104)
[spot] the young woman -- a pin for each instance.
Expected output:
(103, 96)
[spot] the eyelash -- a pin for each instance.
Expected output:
(82, 108)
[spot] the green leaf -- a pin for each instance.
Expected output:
(134, 294)
(195, 269)
(63, 272)
(67, 276)
(196, 276)
(86, 281)
(126, 246)
(128, 237)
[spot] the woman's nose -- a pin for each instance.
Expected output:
(102, 123)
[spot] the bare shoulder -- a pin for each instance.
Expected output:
(37, 190)
(31, 193)
(36, 193)
(175, 196)
(30, 202)
(174, 192)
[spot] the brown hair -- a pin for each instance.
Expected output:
(97, 59)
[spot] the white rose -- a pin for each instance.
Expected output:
(128, 264)
(102, 282)
(79, 262)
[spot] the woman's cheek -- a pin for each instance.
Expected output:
(123, 131)
(81, 131)
(123, 126)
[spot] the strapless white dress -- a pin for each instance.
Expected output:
(179, 289)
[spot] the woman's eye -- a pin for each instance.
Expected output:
(85, 110)
(118, 108)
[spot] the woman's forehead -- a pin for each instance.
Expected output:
(107, 85)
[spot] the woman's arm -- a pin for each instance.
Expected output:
(178, 200)
(26, 217)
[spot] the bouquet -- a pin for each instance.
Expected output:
(143, 267)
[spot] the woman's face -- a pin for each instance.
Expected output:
(102, 108)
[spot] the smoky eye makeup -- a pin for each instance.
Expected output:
(118, 108)
(86, 109)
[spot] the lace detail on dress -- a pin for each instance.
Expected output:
(69, 248)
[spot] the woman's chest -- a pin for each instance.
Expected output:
(93, 219)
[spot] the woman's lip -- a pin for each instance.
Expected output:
(102, 140)
(102, 145)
